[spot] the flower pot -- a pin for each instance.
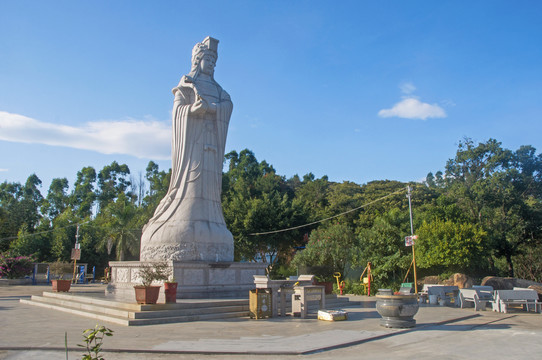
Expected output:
(170, 289)
(147, 294)
(61, 285)
(397, 311)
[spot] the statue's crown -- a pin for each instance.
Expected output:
(209, 44)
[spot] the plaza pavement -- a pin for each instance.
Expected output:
(30, 332)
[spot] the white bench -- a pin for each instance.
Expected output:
(472, 295)
(527, 298)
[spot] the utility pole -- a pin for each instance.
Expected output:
(77, 246)
(412, 234)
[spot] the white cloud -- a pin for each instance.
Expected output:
(3, 170)
(412, 108)
(141, 138)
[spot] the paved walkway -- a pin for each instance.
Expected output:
(29, 332)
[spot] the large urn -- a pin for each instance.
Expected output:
(397, 311)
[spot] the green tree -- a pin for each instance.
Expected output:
(63, 238)
(112, 180)
(31, 202)
(158, 187)
(122, 227)
(383, 245)
(446, 246)
(500, 190)
(83, 195)
(37, 244)
(255, 200)
(312, 195)
(331, 248)
(57, 199)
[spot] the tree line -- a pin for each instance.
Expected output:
(482, 216)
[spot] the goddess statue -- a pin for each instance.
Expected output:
(188, 224)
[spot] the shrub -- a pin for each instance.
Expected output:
(15, 267)
(353, 287)
(329, 248)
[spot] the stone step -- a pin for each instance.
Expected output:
(101, 309)
(100, 317)
(130, 314)
(131, 306)
(112, 309)
(138, 322)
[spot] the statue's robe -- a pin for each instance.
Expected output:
(188, 224)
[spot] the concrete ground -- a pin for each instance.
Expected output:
(29, 332)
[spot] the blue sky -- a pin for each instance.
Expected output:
(356, 90)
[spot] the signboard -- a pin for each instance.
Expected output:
(76, 254)
(409, 240)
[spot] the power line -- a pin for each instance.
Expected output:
(252, 234)
(37, 233)
(329, 218)
(64, 227)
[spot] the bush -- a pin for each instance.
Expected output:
(353, 287)
(15, 267)
(331, 248)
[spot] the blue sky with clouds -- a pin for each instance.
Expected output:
(356, 90)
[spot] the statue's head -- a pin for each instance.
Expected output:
(204, 56)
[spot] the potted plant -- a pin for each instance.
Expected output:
(146, 293)
(170, 289)
(57, 270)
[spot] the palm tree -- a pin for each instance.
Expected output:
(120, 219)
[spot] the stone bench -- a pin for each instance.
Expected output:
(484, 292)
(527, 298)
(472, 295)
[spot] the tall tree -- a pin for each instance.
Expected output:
(255, 200)
(501, 191)
(382, 244)
(112, 180)
(31, 202)
(83, 195)
(122, 227)
(158, 187)
(57, 199)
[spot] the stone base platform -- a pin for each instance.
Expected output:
(196, 279)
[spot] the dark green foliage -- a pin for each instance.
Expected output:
(447, 246)
(332, 248)
(83, 195)
(383, 245)
(112, 180)
(256, 200)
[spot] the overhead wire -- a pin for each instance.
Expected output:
(329, 218)
(252, 234)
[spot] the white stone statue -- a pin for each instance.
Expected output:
(188, 224)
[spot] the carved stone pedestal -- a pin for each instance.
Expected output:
(196, 280)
